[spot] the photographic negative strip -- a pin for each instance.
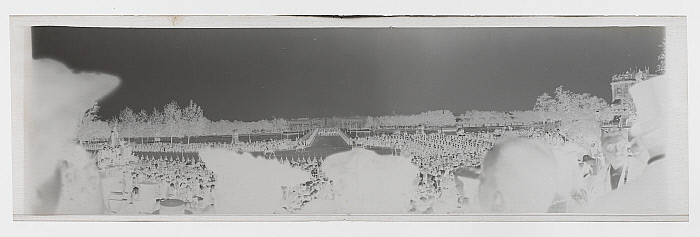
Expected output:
(269, 118)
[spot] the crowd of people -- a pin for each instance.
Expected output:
(319, 187)
(164, 147)
(439, 194)
(176, 177)
(113, 156)
(518, 171)
(188, 179)
(551, 138)
(524, 170)
(185, 179)
(439, 155)
(435, 153)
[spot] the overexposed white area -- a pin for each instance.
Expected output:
(60, 176)
(569, 174)
(249, 185)
(367, 183)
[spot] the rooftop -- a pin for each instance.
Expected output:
(640, 75)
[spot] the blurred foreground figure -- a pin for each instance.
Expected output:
(249, 185)
(467, 185)
(573, 179)
(619, 169)
(518, 176)
(367, 183)
(648, 194)
(60, 177)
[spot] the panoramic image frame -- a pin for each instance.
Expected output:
(414, 121)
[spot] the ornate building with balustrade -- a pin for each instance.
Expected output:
(622, 105)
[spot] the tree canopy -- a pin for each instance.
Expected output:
(579, 115)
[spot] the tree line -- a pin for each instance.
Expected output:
(579, 117)
(171, 121)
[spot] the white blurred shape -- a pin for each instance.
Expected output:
(570, 175)
(367, 183)
(60, 177)
(249, 185)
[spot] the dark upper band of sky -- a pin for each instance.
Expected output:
(253, 74)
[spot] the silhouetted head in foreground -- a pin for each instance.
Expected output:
(651, 101)
(518, 176)
(54, 100)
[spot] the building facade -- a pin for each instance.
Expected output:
(303, 124)
(621, 83)
(346, 122)
(622, 105)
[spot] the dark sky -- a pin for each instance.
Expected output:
(252, 74)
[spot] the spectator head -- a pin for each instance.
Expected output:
(518, 176)
(639, 152)
(615, 148)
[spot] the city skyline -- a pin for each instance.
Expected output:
(254, 74)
